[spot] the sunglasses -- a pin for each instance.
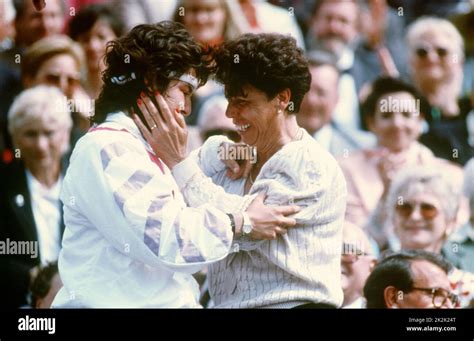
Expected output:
(422, 51)
(427, 211)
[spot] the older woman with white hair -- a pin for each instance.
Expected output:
(422, 205)
(436, 58)
(40, 125)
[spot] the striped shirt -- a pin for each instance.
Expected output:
(299, 267)
(130, 241)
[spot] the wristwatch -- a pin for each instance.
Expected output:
(247, 226)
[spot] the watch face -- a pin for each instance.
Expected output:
(247, 229)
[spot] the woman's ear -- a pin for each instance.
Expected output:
(283, 99)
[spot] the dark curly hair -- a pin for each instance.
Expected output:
(269, 62)
(152, 53)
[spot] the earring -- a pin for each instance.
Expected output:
(280, 112)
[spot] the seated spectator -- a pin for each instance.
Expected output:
(45, 286)
(460, 247)
(394, 113)
(357, 261)
(436, 58)
(58, 61)
(29, 190)
(93, 27)
(410, 279)
(422, 206)
(318, 106)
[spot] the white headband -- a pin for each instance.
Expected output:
(187, 78)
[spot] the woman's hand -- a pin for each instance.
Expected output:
(270, 221)
(235, 169)
(168, 134)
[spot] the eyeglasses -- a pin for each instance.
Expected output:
(439, 296)
(422, 51)
(427, 211)
(351, 254)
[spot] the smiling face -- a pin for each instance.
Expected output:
(433, 58)
(205, 19)
(255, 116)
(420, 222)
(335, 24)
(61, 71)
(396, 122)
(42, 142)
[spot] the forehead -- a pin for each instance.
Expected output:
(40, 122)
(438, 38)
(427, 275)
(397, 101)
(250, 93)
(101, 25)
(202, 3)
(64, 62)
(418, 193)
(340, 8)
(320, 74)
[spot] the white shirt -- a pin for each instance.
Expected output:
(47, 213)
(130, 241)
(323, 136)
(346, 112)
(299, 267)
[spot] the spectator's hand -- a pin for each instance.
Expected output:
(168, 134)
(386, 61)
(270, 221)
(375, 31)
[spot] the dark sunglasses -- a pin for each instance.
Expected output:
(422, 51)
(427, 211)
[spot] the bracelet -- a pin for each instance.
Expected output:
(232, 222)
